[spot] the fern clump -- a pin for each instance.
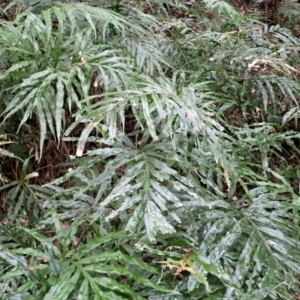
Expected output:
(151, 152)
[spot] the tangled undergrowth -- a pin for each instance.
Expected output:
(149, 150)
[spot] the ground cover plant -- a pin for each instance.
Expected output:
(149, 150)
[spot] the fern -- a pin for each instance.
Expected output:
(46, 79)
(177, 174)
(78, 266)
(290, 10)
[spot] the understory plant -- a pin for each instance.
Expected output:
(149, 151)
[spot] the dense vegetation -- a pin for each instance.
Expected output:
(149, 150)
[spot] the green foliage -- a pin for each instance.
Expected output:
(179, 171)
(290, 13)
(48, 268)
(290, 10)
